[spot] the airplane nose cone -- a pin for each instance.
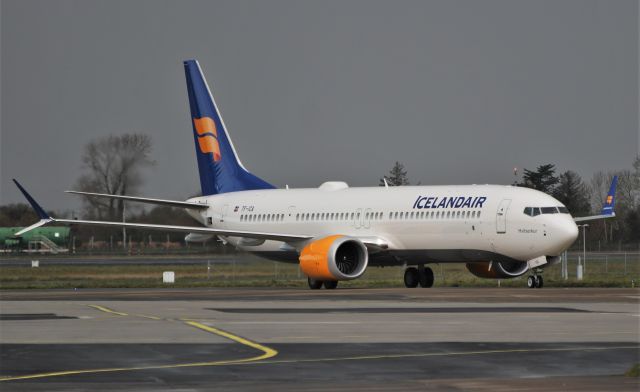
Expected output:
(571, 231)
(566, 232)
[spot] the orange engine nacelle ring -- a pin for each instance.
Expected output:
(336, 257)
(497, 269)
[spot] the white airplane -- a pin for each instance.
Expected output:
(335, 232)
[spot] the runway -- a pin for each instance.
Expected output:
(292, 339)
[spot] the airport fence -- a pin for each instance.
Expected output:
(601, 264)
(601, 269)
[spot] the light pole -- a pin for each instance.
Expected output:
(584, 244)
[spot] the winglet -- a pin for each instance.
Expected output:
(36, 207)
(610, 201)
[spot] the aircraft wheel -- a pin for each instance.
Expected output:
(411, 277)
(426, 277)
(531, 282)
(330, 284)
(314, 284)
(539, 282)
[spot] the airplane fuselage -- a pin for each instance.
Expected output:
(415, 224)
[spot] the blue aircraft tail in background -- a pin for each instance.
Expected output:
(610, 201)
(220, 169)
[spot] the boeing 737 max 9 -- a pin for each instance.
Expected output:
(335, 232)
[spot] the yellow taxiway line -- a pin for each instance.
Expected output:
(107, 310)
(267, 352)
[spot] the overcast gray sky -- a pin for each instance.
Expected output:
(459, 91)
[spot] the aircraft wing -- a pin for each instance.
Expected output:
(607, 207)
(171, 203)
(46, 219)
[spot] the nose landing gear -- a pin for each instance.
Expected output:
(535, 281)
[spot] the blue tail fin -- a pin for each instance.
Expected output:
(220, 169)
(610, 201)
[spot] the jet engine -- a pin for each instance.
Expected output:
(498, 269)
(334, 258)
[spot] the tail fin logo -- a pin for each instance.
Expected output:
(609, 199)
(207, 137)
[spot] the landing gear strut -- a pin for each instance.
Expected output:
(422, 276)
(535, 281)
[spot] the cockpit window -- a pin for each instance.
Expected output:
(532, 211)
(549, 210)
(563, 210)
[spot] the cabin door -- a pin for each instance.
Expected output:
(501, 216)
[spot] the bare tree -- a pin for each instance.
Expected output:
(113, 165)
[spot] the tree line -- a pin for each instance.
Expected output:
(116, 164)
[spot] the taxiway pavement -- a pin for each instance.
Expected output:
(291, 339)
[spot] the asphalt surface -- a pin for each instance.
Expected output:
(291, 339)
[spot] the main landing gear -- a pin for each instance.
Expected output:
(422, 276)
(535, 281)
(315, 284)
